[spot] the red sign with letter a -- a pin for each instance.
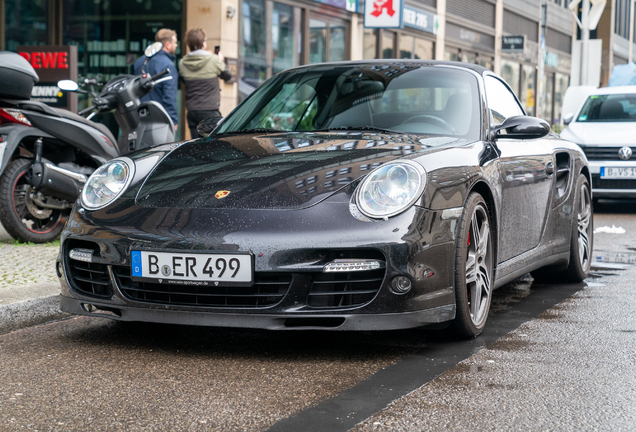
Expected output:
(383, 13)
(382, 5)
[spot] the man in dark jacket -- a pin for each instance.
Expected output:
(165, 92)
(200, 70)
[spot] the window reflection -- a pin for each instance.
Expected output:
(388, 44)
(337, 44)
(26, 23)
(317, 41)
(282, 37)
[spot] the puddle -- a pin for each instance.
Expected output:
(599, 265)
(614, 257)
(509, 345)
(594, 284)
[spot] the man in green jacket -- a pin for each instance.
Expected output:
(200, 69)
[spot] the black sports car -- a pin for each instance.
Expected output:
(343, 196)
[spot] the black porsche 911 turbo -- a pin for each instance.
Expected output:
(344, 196)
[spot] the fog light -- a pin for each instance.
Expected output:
(348, 265)
(79, 254)
(401, 285)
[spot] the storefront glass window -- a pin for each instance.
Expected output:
(252, 51)
(485, 62)
(282, 37)
(406, 46)
(317, 41)
(26, 23)
(468, 57)
(337, 47)
(423, 49)
(111, 35)
(451, 55)
(561, 85)
(548, 86)
(388, 44)
(528, 92)
(370, 39)
(510, 73)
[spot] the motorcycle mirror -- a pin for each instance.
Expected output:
(67, 85)
(206, 126)
(153, 49)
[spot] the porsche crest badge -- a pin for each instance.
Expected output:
(222, 194)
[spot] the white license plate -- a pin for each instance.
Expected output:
(192, 268)
(618, 173)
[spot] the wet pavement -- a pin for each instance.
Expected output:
(553, 357)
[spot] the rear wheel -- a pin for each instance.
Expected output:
(473, 268)
(23, 219)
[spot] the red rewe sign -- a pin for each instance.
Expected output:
(46, 59)
(52, 64)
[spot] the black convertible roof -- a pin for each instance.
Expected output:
(389, 62)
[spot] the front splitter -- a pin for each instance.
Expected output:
(332, 321)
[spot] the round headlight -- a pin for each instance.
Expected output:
(391, 189)
(107, 183)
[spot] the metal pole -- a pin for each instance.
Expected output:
(631, 29)
(541, 71)
(585, 39)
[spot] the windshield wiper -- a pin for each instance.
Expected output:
(363, 128)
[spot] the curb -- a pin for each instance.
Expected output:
(27, 313)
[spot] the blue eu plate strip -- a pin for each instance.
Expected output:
(135, 259)
(602, 171)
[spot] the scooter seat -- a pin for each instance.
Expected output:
(78, 118)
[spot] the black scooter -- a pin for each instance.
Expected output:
(47, 154)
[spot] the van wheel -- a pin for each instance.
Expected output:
(23, 219)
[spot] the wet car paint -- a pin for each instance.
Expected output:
(291, 233)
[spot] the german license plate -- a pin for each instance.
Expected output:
(192, 268)
(618, 173)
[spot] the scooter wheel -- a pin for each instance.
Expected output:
(23, 219)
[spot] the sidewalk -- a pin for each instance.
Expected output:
(29, 289)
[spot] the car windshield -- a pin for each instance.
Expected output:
(609, 108)
(399, 97)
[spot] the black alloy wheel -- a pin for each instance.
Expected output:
(474, 269)
(23, 219)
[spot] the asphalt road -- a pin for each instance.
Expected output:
(553, 357)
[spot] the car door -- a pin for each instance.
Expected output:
(526, 172)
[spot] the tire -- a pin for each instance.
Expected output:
(24, 220)
(582, 237)
(474, 268)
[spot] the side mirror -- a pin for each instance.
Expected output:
(153, 49)
(207, 126)
(68, 85)
(522, 127)
(567, 119)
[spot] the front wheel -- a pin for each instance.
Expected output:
(582, 236)
(473, 268)
(23, 219)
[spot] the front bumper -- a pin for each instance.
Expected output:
(418, 244)
(334, 321)
(612, 188)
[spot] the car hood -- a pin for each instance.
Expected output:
(273, 171)
(601, 133)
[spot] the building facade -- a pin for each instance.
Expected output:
(263, 37)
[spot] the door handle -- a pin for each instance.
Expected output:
(549, 168)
